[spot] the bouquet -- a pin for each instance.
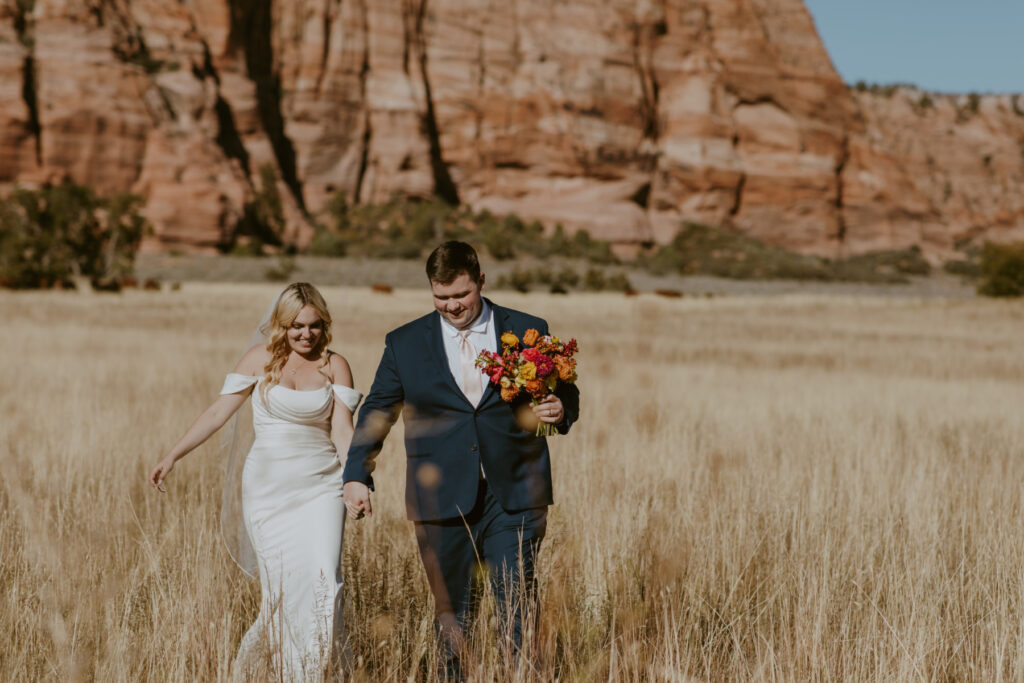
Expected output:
(535, 367)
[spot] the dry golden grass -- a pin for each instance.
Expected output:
(789, 489)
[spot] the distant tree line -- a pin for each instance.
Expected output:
(60, 235)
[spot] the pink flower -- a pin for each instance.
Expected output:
(545, 366)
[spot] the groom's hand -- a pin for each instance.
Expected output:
(550, 410)
(357, 499)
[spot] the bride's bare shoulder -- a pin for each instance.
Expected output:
(341, 373)
(253, 361)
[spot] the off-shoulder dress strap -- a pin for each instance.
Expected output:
(235, 383)
(347, 395)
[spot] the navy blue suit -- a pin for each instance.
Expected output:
(459, 515)
(446, 438)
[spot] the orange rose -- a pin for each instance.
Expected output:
(536, 388)
(510, 392)
(566, 368)
(530, 337)
(509, 339)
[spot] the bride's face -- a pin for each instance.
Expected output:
(305, 331)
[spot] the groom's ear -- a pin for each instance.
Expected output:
(480, 282)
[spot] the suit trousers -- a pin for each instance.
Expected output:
(453, 550)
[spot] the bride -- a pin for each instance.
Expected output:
(291, 510)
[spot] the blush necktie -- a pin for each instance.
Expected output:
(472, 385)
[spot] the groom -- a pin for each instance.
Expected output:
(478, 482)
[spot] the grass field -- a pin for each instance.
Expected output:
(795, 488)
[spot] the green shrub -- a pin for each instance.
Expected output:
(409, 228)
(1002, 270)
(582, 245)
(400, 228)
(594, 279)
(283, 271)
(519, 280)
(704, 250)
(963, 267)
(566, 279)
(618, 282)
(326, 242)
(500, 241)
(882, 266)
(262, 218)
(701, 249)
(50, 235)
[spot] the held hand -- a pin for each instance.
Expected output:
(159, 473)
(550, 410)
(357, 499)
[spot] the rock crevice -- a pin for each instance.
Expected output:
(29, 93)
(252, 33)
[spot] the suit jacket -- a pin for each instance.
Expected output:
(446, 438)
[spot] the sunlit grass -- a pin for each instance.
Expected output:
(801, 488)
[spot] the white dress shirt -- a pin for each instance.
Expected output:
(481, 337)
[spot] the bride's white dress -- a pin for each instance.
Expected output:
(294, 514)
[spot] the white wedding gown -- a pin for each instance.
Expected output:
(293, 511)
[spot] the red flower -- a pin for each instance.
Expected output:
(495, 372)
(545, 366)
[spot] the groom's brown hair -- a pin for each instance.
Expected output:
(450, 259)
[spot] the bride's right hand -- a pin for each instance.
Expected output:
(159, 473)
(356, 495)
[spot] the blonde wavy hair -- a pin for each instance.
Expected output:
(293, 299)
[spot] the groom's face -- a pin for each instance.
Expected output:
(459, 301)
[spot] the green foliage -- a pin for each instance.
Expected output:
(963, 267)
(409, 229)
(283, 271)
(597, 251)
(1002, 270)
(50, 235)
(566, 279)
(703, 250)
(594, 279)
(618, 282)
(890, 265)
(262, 218)
(887, 90)
(510, 236)
(563, 281)
(400, 228)
(519, 280)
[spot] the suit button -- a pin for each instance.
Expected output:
(473, 447)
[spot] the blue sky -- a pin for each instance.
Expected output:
(953, 46)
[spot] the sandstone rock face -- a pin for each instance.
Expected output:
(935, 170)
(624, 118)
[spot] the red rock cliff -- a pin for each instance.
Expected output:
(624, 118)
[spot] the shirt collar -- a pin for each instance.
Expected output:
(481, 325)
